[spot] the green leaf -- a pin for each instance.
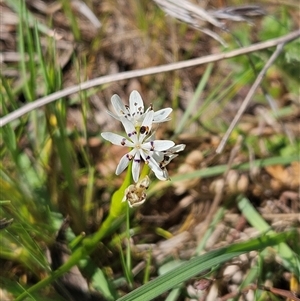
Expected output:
(197, 265)
(289, 259)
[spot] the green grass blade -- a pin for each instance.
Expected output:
(23, 30)
(30, 51)
(17, 7)
(220, 169)
(66, 4)
(217, 218)
(289, 259)
(101, 284)
(200, 264)
(7, 96)
(193, 102)
(41, 58)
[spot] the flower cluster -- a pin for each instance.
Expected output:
(144, 148)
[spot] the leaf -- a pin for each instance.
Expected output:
(199, 264)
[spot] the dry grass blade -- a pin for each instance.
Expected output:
(191, 14)
(196, 16)
(148, 71)
(249, 97)
(275, 291)
(240, 13)
(188, 12)
(86, 11)
(5, 222)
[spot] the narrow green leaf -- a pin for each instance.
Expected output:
(220, 169)
(289, 259)
(41, 58)
(200, 264)
(101, 284)
(194, 100)
(17, 7)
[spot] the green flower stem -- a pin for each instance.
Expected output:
(114, 219)
(76, 241)
(128, 249)
(145, 171)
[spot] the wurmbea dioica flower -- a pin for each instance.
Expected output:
(143, 146)
(135, 111)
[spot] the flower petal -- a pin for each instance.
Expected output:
(148, 119)
(176, 148)
(158, 156)
(125, 161)
(165, 174)
(162, 175)
(116, 139)
(146, 124)
(167, 159)
(136, 204)
(159, 173)
(147, 157)
(136, 104)
(113, 115)
(158, 145)
(162, 115)
(118, 105)
(136, 166)
(129, 129)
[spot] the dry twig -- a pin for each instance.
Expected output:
(148, 71)
(249, 97)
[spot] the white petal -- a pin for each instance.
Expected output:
(113, 115)
(136, 104)
(148, 119)
(158, 145)
(177, 148)
(147, 123)
(118, 105)
(122, 164)
(151, 137)
(148, 158)
(132, 205)
(162, 115)
(116, 139)
(156, 169)
(145, 155)
(129, 129)
(136, 166)
(158, 156)
(125, 161)
(169, 158)
(163, 176)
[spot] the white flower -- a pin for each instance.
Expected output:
(165, 157)
(135, 111)
(135, 194)
(143, 147)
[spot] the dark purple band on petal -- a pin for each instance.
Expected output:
(129, 157)
(131, 134)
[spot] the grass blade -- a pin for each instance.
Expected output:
(202, 263)
(289, 259)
